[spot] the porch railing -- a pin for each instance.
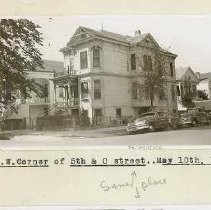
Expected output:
(65, 73)
(65, 105)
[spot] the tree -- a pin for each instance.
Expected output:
(154, 77)
(202, 95)
(187, 100)
(19, 53)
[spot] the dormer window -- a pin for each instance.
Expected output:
(96, 57)
(83, 35)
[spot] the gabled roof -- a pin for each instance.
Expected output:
(52, 66)
(180, 72)
(114, 36)
(128, 40)
(205, 75)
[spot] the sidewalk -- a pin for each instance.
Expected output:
(88, 133)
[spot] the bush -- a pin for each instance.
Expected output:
(61, 122)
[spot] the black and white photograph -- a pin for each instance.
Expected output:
(105, 105)
(105, 80)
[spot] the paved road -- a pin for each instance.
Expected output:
(200, 135)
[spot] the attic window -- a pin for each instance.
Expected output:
(147, 41)
(83, 35)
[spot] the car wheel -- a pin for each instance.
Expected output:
(174, 126)
(151, 128)
(194, 123)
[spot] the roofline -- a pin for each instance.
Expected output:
(52, 60)
(99, 35)
(206, 78)
(41, 71)
(188, 67)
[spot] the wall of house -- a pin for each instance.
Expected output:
(204, 86)
(22, 113)
(115, 58)
(36, 111)
(73, 60)
(86, 104)
(115, 89)
(209, 87)
(189, 76)
(29, 112)
(117, 94)
(43, 78)
(25, 110)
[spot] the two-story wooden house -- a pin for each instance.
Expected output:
(103, 71)
(25, 111)
(187, 82)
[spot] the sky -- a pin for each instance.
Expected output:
(187, 36)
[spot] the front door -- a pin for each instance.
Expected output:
(98, 115)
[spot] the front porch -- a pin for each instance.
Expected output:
(66, 95)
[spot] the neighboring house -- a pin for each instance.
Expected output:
(27, 110)
(205, 83)
(186, 84)
(103, 71)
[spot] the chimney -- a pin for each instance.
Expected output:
(138, 33)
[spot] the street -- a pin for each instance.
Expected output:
(115, 136)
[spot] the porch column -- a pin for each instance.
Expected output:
(55, 93)
(79, 95)
(70, 98)
(181, 90)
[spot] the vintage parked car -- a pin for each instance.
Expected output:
(195, 116)
(151, 121)
(209, 113)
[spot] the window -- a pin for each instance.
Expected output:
(147, 63)
(182, 90)
(134, 90)
(45, 90)
(84, 90)
(194, 89)
(66, 90)
(61, 92)
(161, 94)
(178, 90)
(74, 91)
(163, 114)
(96, 57)
(97, 89)
(173, 93)
(98, 113)
(118, 112)
(83, 59)
(133, 61)
(46, 111)
(68, 69)
(171, 69)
